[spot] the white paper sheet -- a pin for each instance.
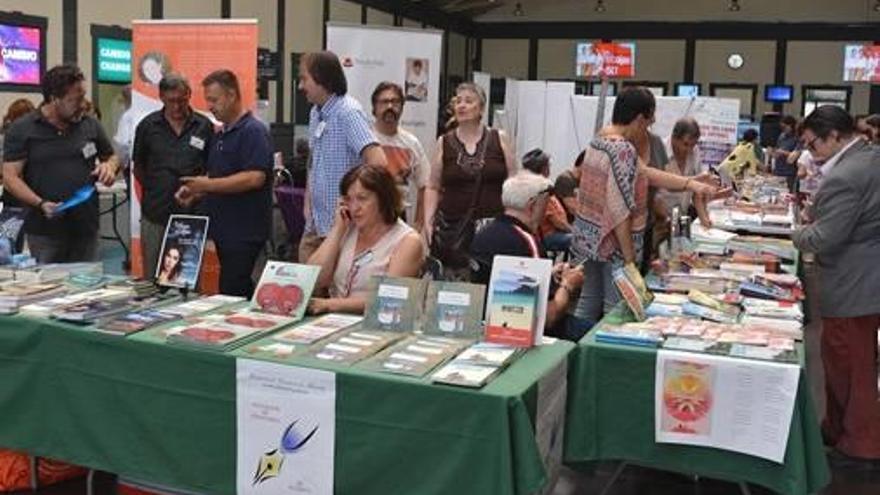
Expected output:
(286, 429)
(732, 404)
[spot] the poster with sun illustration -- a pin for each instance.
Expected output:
(741, 405)
(688, 390)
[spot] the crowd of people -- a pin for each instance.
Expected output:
(377, 204)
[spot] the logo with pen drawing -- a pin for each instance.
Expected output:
(292, 441)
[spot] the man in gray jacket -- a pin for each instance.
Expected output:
(845, 236)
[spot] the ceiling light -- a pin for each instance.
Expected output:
(733, 6)
(876, 5)
(600, 6)
(518, 10)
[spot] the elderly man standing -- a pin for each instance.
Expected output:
(845, 237)
(169, 144)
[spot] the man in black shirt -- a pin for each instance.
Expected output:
(169, 144)
(512, 233)
(50, 154)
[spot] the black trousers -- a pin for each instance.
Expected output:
(237, 260)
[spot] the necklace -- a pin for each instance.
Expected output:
(471, 163)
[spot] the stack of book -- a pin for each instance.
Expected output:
(477, 365)
(90, 311)
(129, 322)
(44, 309)
(314, 330)
(635, 334)
(416, 356)
(14, 296)
(355, 345)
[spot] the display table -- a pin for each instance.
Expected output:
(167, 415)
(611, 418)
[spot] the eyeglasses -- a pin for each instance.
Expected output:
(811, 144)
(546, 191)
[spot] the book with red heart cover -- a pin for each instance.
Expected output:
(285, 288)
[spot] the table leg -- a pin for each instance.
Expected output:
(744, 488)
(35, 475)
(90, 482)
(617, 472)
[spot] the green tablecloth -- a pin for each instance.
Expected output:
(167, 415)
(611, 417)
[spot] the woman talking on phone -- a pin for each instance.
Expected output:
(367, 238)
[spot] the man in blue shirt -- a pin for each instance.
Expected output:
(237, 189)
(340, 138)
(785, 164)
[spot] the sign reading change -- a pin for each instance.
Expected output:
(114, 60)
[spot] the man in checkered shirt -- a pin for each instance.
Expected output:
(340, 138)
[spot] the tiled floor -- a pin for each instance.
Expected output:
(642, 481)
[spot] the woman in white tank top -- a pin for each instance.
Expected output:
(368, 238)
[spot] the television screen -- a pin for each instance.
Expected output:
(861, 63)
(689, 90)
(778, 94)
(610, 59)
(20, 54)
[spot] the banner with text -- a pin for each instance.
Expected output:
(408, 57)
(286, 429)
(193, 49)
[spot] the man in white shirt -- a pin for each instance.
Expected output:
(406, 159)
(124, 138)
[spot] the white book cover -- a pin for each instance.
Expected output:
(286, 429)
(540, 269)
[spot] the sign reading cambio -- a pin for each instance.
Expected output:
(615, 60)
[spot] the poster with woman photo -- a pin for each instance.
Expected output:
(416, 79)
(182, 250)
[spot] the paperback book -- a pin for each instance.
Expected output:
(354, 346)
(415, 356)
(285, 288)
(182, 249)
(516, 309)
(488, 354)
(464, 375)
(394, 303)
(211, 335)
(633, 290)
(319, 328)
(454, 309)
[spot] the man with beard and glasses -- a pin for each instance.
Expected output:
(47, 156)
(406, 159)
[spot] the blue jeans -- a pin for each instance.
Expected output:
(598, 294)
(557, 241)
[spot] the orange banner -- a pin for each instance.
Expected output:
(193, 49)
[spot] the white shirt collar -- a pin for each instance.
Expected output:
(831, 162)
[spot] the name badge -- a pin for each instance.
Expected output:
(89, 150)
(197, 142)
(319, 130)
